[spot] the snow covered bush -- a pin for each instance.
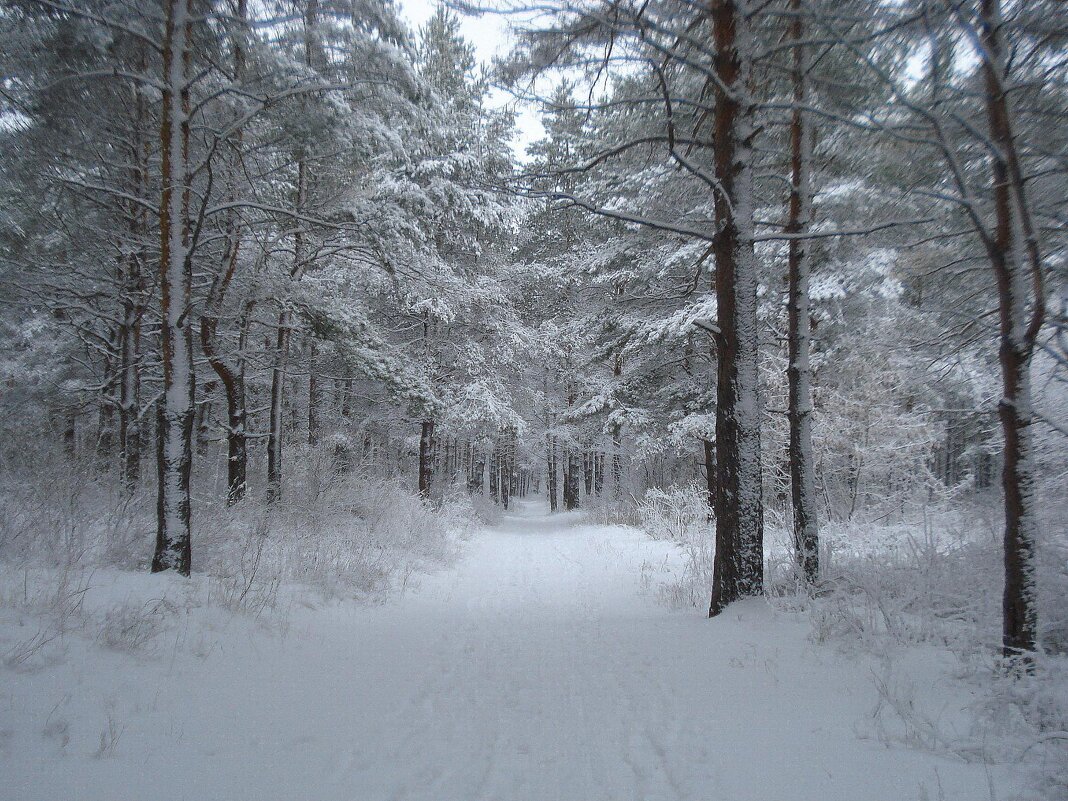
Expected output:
(932, 586)
(680, 515)
(348, 535)
(58, 512)
(341, 533)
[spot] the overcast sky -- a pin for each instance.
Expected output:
(489, 34)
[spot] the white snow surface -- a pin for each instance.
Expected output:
(540, 666)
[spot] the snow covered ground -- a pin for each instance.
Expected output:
(540, 666)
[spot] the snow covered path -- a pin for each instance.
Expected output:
(538, 669)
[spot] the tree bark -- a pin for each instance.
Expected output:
(495, 473)
(550, 480)
(231, 376)
(105, 432)
(130, 392)
(572, 477)
(505, 483)
(426, 470)
(799, 371)
(738, 569)
(315, 398)
(1017, 265)
(587, 470)
(274, 428)
(70, 434)
(617, 429)
(478, 468)
(175, 450)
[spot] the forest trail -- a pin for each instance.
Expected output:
(540, 667)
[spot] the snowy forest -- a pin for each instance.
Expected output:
(560, 401)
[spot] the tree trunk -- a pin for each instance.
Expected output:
(130, 384)
(799, 371)
(274, 426)
(710, 475)
(550, 480)
(202, 421)
(426, 446)
(617, 429)
(478, 468)
(133, 291)
(70, 434)
(495, 474)
(506, 476)
(1014, 255)
(105, 432)
(571, 480)
(738, 569)
(617, 463)
(315, 398)
(175, 450)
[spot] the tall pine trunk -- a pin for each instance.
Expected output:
(232, 376)
(175, 452)
(1014, 255)
(799, 370)
(738, 569)
(274, 420)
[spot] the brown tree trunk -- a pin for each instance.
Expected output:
(506, 476)
(550, 479)
(572, 477)
(738, 568)
(176, 410)
(1014, 256)
(478, 468)
(799, 370)
(426, 447)
(274, 426)
(130, 368)
(315, 398)
(70, 434)
(495, 473)
(617, 430)
(105, 431)
(231, 376)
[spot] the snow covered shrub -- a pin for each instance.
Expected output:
(675, 514)
(42, 607)
(132, 625)
(483, 508)
(56, 512)
(934, 585)
(343, 533)
(921, 582)
(681, 515)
